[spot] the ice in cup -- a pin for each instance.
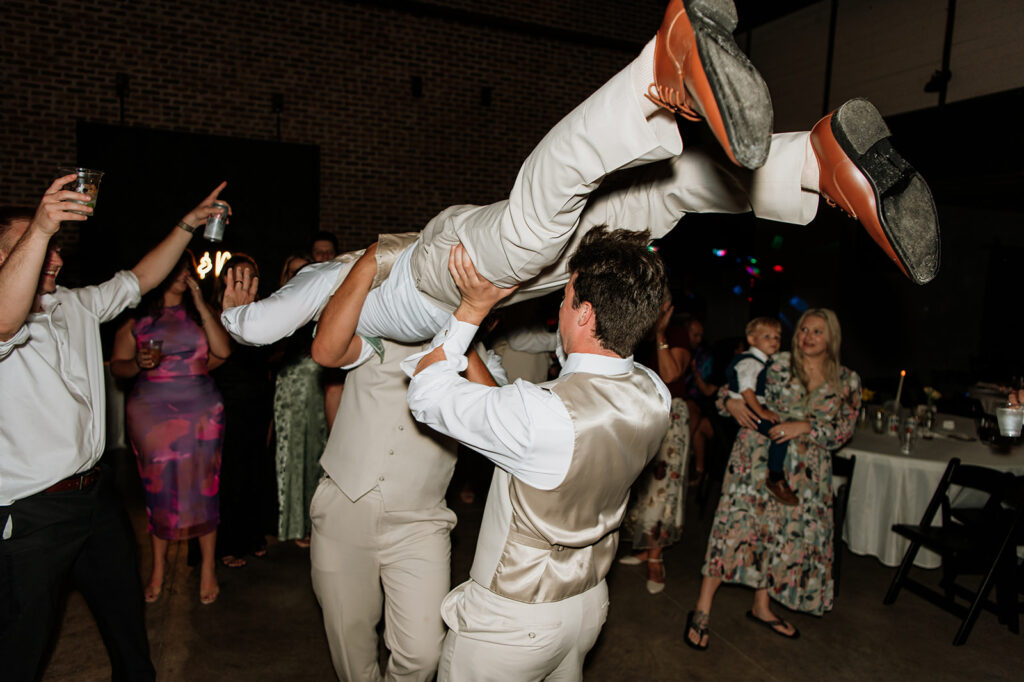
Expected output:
(87, 182)
(1010, 420)
(155, 348)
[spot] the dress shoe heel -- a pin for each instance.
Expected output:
(860, 172)
(701, 73)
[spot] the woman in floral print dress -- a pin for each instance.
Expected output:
(783, 553)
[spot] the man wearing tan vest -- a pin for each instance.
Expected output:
(566, 453)
(381, 528)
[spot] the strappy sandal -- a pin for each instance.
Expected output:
(697, 622)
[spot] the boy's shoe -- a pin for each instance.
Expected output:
(861, 173)
(782, 492)
(701, 73)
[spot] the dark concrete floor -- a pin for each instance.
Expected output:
(266, 625)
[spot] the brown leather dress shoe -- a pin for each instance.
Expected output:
(782, 492)
(700, 72)
(861, 173)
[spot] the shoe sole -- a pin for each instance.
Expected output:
(740, 93)
(905, 207)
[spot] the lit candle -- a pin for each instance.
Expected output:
(899, 391)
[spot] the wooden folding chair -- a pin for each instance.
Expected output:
(984, 545)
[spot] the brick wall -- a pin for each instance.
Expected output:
(389, 161)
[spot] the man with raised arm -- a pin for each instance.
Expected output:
(565, 452)
(60, 517)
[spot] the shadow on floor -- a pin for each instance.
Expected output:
(266, 624)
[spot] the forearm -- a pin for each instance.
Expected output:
(750, 398)
(216, 336)
(19, 280)
(124, 368)
(476, 370)
(336, 343)
(704, 387)
(158, 263)
(670, 361)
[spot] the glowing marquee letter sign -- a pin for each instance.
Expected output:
(216, 264)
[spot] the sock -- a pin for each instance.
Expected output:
(809, 173)
(775, 476)
(641, 71)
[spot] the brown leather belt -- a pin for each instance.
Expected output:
(76, 482)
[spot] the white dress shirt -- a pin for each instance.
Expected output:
(747, 371)
(53, 404)
(395, 310)
(522, 427)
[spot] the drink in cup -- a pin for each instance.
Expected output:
(216, 222)
(87, 182)
(155, 348)
(1010, 420)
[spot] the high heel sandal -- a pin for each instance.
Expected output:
(653, 586)
(697, 622)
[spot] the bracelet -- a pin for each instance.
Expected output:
(185, 226)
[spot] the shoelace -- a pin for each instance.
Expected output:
(672, 99)
(834, 204)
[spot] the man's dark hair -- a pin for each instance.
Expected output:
(624, 281)
(325, 236)
(8, 214)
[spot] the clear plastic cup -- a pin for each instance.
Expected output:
(1010, 420)
(87, 182)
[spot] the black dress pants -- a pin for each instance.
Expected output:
(79, 538)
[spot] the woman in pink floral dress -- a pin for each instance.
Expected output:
(783, 553)
(176, 418)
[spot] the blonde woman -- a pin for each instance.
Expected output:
(783, 553)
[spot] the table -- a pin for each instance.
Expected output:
(889, 487)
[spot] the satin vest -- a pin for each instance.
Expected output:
(548, 545)
(375, 442)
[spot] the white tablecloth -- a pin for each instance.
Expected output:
(889, 488)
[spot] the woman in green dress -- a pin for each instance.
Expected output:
(783, 553)
(299, 424)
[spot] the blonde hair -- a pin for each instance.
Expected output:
(833, 338)
(770, 322)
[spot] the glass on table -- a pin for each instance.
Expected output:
(1010, 420)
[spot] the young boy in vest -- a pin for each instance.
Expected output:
(746, 374)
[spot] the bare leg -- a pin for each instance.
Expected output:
(156, 579)
(708, 587)
(208, 587)
(762, 609)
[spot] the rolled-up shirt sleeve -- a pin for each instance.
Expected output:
(21, 336)
(107, 300)
(300, 300)
(522, 428)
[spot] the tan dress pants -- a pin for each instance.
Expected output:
(367, 562)
(491, 638)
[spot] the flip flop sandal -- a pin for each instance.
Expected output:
(774, 626)
(697, 623)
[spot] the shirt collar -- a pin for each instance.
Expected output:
(596, 364)
(759, 354)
